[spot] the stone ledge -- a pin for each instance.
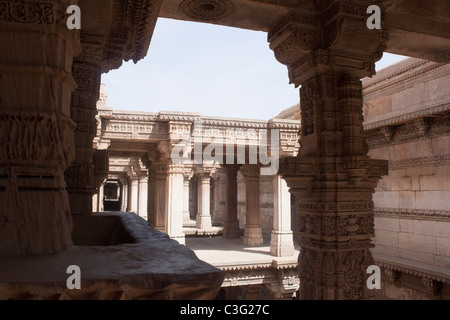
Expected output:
(152, 267)
(416, 268)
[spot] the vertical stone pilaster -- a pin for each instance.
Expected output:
(151, 197)
(160, 195)
(281, 242)
(217, 217)
(174, 209)
(143, 195)
(252, 228)
(36, 132)
(231, 224)
(80, 175)
(134, 194)
(204, 196)
(125, 192)
(186, 179)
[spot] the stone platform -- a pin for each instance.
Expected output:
(120, 257)
(249, 266)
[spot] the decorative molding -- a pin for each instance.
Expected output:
(426, 275)
(32, 12)
(434, 125)
(420, 161)
(402, 118)
(410, 79)
(416, 214)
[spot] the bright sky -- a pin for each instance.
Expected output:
(213, 70)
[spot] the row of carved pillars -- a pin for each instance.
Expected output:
(148, 195)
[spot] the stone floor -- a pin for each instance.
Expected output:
(219, 251)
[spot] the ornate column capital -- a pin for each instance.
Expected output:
(335, 37)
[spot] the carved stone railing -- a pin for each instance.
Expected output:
(280, 278)
(176, 126)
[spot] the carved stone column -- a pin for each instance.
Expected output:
(134, 194)
(231, 224)
(143, 195)
(125, 193)
(80, 175)
(204, 196)
(187, 174)
(252, 228)
(217, 217)
(36, 132)
(332, 179)
(151, 196)
(160, 194)
(174, 209)
(282, 241)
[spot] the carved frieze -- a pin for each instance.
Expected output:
(36, 139)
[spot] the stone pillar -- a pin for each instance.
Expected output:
(134, 194)
(186, 180)
(217, 217)
(124, 204)
(281, 242)
(231, 224)
(160, 195)
(252, 228)
(36, 132)
(151, 197)
(174, 208)
(95, 200)
(80, 175)
(204, 196)
(101, 193)
(332, 178)
(143, 195)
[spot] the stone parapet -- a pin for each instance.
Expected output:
(112, 266)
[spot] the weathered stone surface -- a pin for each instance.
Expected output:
(148, 266)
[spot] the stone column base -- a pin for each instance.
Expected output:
(253, 235)
(282, 243)
(231, 229)
(186, 217)
(204, 222)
